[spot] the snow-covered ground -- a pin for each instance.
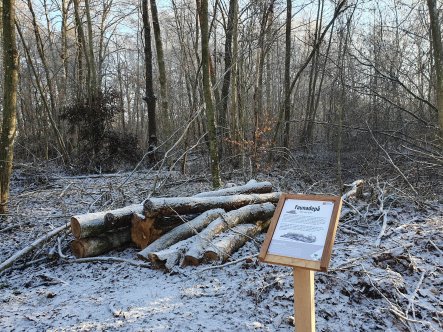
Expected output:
(397, 286)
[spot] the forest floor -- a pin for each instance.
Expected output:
(396, 285)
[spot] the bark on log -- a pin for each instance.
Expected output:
(189, 205)
(356, 190)
(252, 187)
(144, 230)
(181, 232)
(93, 224)
(94, 246)
(247, 214)
(225, 245)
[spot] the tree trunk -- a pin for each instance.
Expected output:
(150, 96)
(93, 224)
(94, 246)
(210, 114)
(287, 82)
(438, 59)
(252, 187)
(192, 205)
(223, 106)
(230, 219)
(181, 232)
(8, 133)
(225, 245)
(160, 59)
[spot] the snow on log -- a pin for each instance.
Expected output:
(252, 187)
(227, 243)
(356, 189)
(246, 214)
(94, 246)
(92, 224)
(189, 205)
(145, 230)
(181, 232)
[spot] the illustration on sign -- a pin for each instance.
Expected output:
(302, 229)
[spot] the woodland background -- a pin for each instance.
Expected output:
(106, 85)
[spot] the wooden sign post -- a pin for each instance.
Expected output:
(301, 235)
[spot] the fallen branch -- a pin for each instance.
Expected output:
(7, 263)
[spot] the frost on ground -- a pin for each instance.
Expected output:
(396, 285)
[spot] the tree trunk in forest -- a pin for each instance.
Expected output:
(83, 48)
(9, 123)
(210, 114)
(191, 205)
(438, 59)
(223, 106)
(94, 246)
(181, 232)
(150, 96)
(93, 68)
(160, 59)
(230, 219)
(49, 81)
(225, 245)
(287, 82)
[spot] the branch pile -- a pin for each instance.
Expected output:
(209, 226)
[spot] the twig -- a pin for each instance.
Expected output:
(412, 297)
(436, 247)
(7, 263)
(107, 260)
(227, 264)
(391, 161)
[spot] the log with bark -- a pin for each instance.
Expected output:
(225, 245)
(93, 224)
(179, 233)
(246, 214)
(170, 257)
(189, 205)
(94, 246)
(252, 187)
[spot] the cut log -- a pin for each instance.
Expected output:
(144, 230)
(180, 233)
(252, 187)
(93, 224)
(189, 205)
(94, 246)
(247, 214)
(225, 245)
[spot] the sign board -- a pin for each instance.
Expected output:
(302, 231)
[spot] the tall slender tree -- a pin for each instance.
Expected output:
(150, 96)
(210, 114)
(438, 59)
(10, 58)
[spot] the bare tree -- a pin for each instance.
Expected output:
(10, 58)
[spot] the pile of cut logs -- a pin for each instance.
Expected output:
(209, 226)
